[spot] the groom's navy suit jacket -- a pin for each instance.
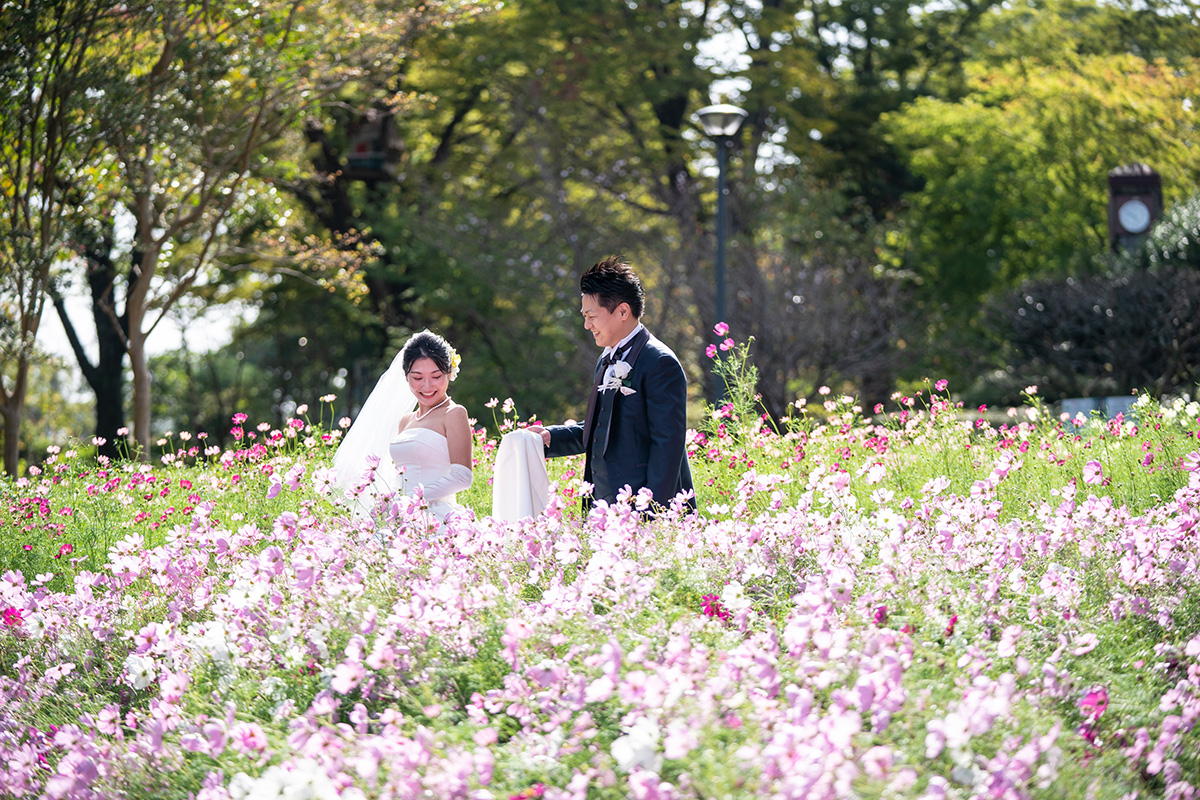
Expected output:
(638, 439)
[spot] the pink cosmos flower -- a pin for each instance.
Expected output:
(1085, 644)
(109, 719)
(248, 737)
(1095, 702)
(173, 686)
(1093, 473)
(12, 617)
(721, 328)
(941, 385)
(711, 351)
(950, 627)
(880, 616)
(728, 344)
(292, 479)
(145, 639)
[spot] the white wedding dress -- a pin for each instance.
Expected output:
(422, 456)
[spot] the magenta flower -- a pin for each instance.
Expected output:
(880, 616)
(710, 606)
(711, 351)
(12, 617)
(941, 385)
(728, 344)
(1095, 702)
(721, 328)
(1093, 473)
(950, 627)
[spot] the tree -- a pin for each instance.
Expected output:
(210, 92)
(46, 141)
(821, 74)
(523, 159)
(537, 159)
(94, 238)
(1014, 172)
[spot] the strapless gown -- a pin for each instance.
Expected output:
(421, 457)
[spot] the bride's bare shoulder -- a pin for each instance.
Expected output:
(457, 415)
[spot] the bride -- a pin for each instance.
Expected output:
(410, 434)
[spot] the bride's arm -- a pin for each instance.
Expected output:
(458, 436)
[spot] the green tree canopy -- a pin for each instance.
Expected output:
(1016, 172)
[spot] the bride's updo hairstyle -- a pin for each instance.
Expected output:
(428, 344)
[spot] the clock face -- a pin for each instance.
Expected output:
(1134, 216)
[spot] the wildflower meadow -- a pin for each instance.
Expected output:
(913, 602)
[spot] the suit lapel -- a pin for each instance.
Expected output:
(635, 347)
(593, 399)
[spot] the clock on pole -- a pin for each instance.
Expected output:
(1134, 204)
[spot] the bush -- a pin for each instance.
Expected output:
(1105, 336)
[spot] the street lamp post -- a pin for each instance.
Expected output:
(721, 122)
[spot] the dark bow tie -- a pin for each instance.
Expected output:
(612, 358)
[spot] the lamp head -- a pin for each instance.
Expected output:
(721, 119)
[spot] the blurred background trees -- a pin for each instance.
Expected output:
(909, 180)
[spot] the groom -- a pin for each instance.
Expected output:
(636, 424)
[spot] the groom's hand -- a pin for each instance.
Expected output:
(545, 434)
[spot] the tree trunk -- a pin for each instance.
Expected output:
(145, 263)
(111, 336)
(106, 377)
(13, 412)
(141, 392)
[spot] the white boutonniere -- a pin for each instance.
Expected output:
(619, 378)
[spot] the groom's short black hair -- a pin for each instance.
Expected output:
(612, 282)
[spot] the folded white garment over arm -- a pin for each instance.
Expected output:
(456, 480)
(521, 487)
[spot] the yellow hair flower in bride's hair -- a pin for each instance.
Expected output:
(455, 361)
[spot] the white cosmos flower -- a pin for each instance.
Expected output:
(639, 747)
(733, 597)
(35, 626)
(140, 671)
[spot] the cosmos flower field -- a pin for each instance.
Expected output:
(906, 604)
